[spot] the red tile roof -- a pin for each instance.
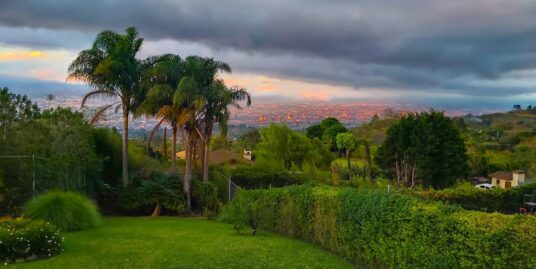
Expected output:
(501, 175)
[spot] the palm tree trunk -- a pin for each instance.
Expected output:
(195, 154)
(157, 210)
(187, 174)
(205, 160)
(125, 147)
(174, 147)
(164, 146)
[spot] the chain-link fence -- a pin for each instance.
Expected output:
(40, 174)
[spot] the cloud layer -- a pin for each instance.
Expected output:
(465, 48)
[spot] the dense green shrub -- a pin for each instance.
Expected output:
(205, 194)
(163, 191)
(148, 191)
(66, 210)
(470, 197)
(254, 178)
(387, 229)
(28, 239)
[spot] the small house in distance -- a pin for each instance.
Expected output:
(248, 155)
(507, 180)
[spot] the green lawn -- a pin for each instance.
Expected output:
(168, 242)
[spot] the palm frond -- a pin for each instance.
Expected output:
(153, 132)
(95, 93)
(98, 114)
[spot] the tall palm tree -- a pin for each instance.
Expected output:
(111, 68)
(218, 99)
(162, 79)
(188, 100)
(204, 71)
(50, 98)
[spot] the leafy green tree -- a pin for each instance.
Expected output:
(220, 142)
(281, 144)
(249, 140)
(61, 141)
(347, 142)
(314, 131)
(330, 135)
(111, 68)
(426, 146)
(329, 122)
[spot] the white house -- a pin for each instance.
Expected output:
(506, 180)
(248, 155)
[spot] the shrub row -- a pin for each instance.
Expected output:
(387, 229)
(156, 189)
(253, 178)
(28, 239)
(472, 198)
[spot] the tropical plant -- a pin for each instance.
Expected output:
(68, 211)
(218, 99)
(162, 79)
(162, 191)
(111, 68)
(50, 98)
(190, 102)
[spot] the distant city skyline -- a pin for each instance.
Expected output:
(297, 115)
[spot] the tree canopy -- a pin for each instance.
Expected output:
(425, 147)
(279, 143)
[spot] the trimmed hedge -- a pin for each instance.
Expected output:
(386, 229)
(68, 211)
(28, 239)
(472, 198)
(254, 178)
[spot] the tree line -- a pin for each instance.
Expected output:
(186, 93)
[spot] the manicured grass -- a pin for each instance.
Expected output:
(168, 242)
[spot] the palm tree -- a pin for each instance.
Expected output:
(162, 78)
(111, 68)
(50, 98)
(188, 100)
(218, 99)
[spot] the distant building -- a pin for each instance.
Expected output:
(507, 180)
(248, 155)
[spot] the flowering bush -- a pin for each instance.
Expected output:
(28, 239)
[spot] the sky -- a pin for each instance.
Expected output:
(437, 53)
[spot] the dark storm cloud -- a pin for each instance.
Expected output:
(412, 44)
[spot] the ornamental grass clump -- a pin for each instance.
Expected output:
(28, 240)
(67, 211)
